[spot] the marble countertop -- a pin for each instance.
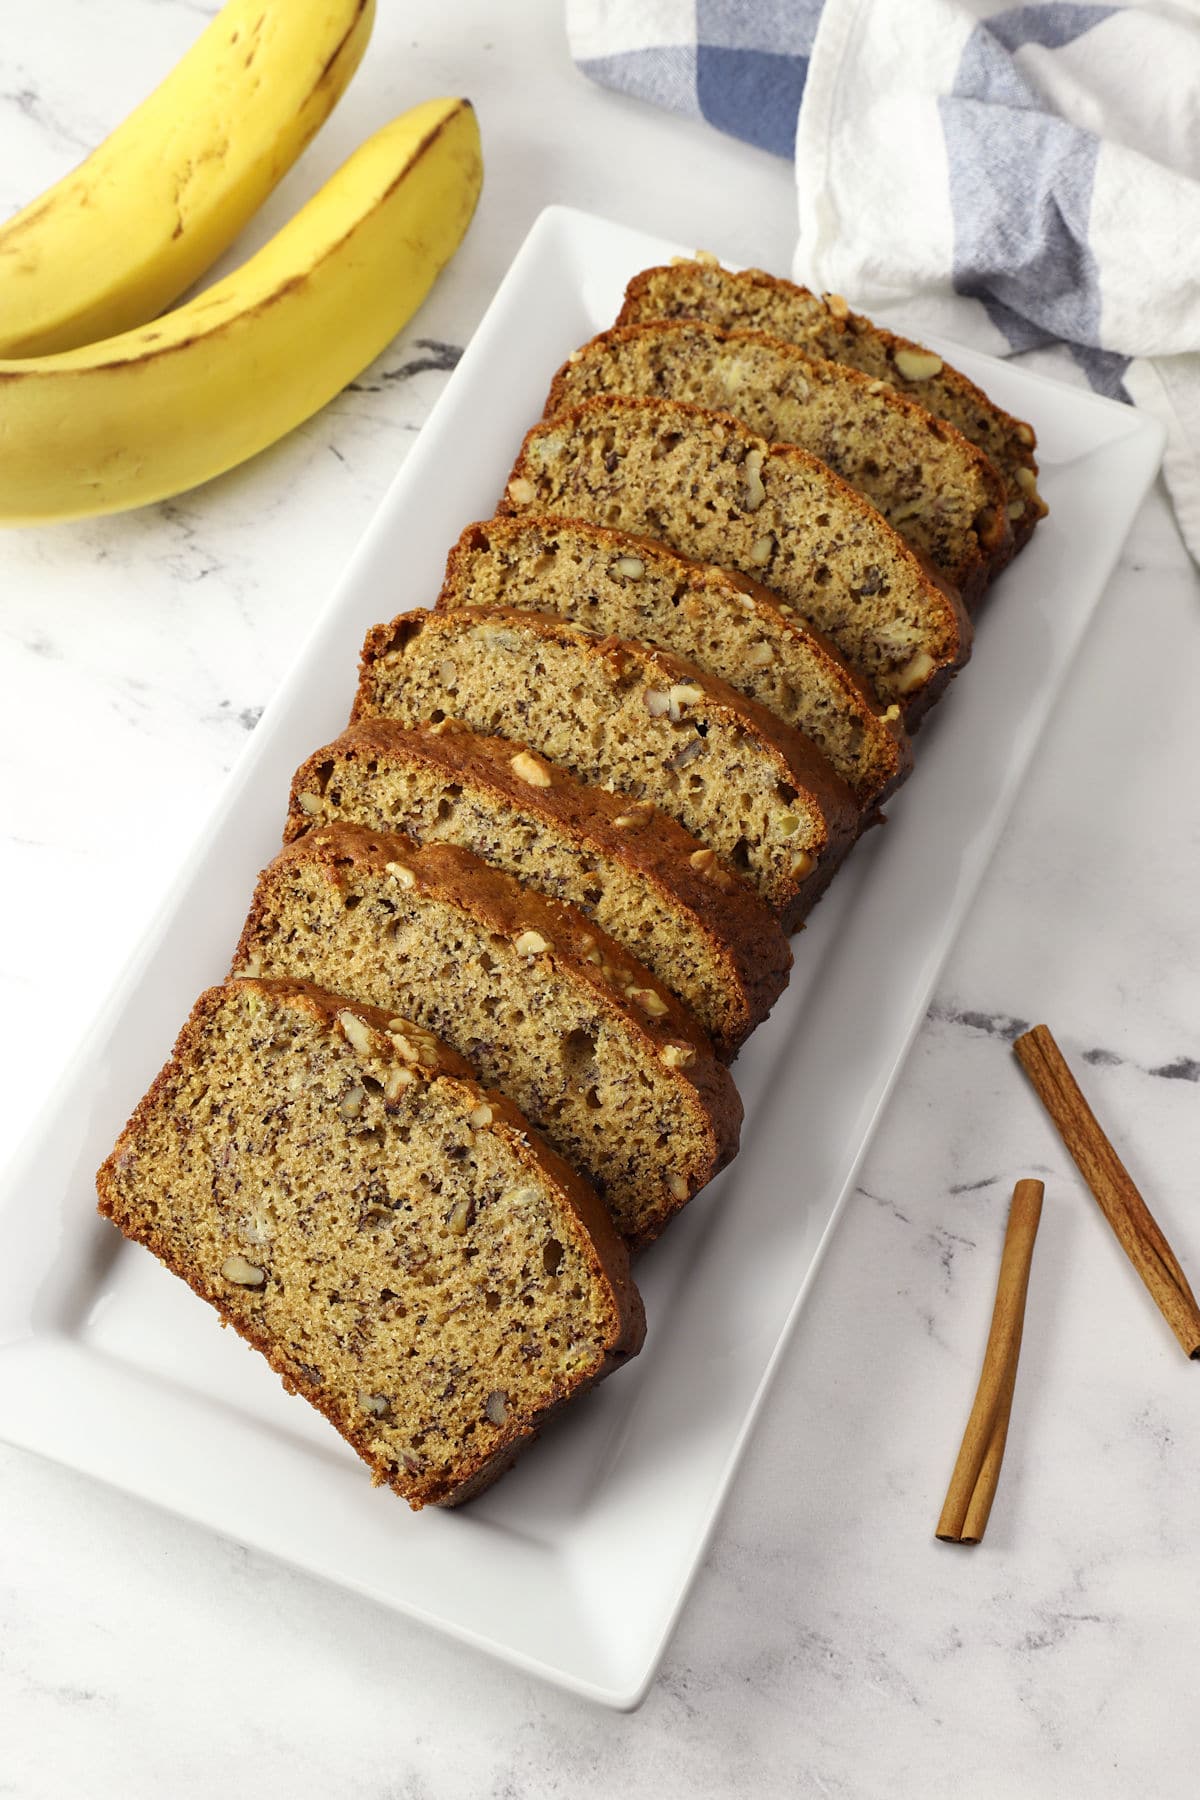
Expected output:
(830, 1647)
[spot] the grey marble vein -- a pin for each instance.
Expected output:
(433, 356)
(995, 1025)
(1183, 1068)
(1006, 1028)
(33, 106)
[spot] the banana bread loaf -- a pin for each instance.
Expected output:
(601, 1058)
(933, 487)
(609, 581)
(755, 301)
(623, 715)
(637, 873)
(391, 1236)
(709, 487)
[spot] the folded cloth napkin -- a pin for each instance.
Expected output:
(1015, 177)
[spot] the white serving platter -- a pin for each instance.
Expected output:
(576, 1565)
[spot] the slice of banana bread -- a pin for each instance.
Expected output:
(609, 581)
(937, 490)
(623, 715)
(601, 1058)
(755, 301)
(709, 487)
(390, 1235)
(637, 873)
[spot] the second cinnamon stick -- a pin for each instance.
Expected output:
(1111, 1183)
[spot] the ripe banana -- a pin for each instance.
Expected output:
(145, 415)
(126, 232)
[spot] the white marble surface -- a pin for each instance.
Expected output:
(831, 1647)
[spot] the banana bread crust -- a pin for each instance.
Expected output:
(661, 1033)
(937, 490)
(753, 300)
(773, 512)
(882, 755)
(600, 831)
(582, 1211)
(624, 671)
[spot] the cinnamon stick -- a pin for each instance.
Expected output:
(977, 1470)
(1112, 1184)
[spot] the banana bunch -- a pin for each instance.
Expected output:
(103, 404)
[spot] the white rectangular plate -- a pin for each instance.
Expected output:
(576, 1565)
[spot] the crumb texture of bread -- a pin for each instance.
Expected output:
(934, 487)
(752, 300)
(709, 487)
(390, 1236)
(639, 875)
(621, 714)
(613, 583)
(604, 1062)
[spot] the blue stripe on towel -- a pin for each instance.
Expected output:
(1049, 26)
(751, 66)
(776, 27)
(662, 73)
(752, 94)
(1105, 369)
(1021, 183)
(745, 72)
(1021, 192)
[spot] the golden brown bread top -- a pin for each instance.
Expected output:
(569, 941)
(364, 1039)
(659, 702)
(605, 832)
(703, 482)
(658, 668)
(828, 700)
(561, 968)
(401, 1044)
(751, 299)
(938, 490)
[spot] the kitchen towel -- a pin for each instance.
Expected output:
(1015, 177)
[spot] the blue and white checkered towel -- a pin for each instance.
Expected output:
(1015, 176)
